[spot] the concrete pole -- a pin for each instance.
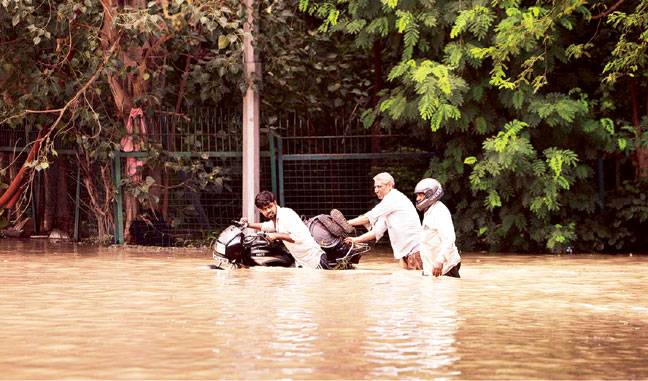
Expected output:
(251, 119)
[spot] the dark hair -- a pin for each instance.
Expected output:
(264, 198)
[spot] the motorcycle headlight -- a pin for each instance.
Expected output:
(219, 247)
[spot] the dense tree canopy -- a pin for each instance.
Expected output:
(539, 108)
(526, 97)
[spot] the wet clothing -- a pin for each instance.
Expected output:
(438, 240)
(305, 250)
(454, 272)
(324, 262)
(396, 213)
(413, 261)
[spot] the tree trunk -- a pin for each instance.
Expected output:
(49, 207)
(641, 153)
(4, 161)
(13, 172)
(132, 87)
(101, 208)
(63, 215)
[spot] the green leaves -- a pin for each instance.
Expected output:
(503, 138)
(561, 237)
(470, 160)
(438, 91)
(628, 57)
(517, 85)
(390, 3)
(559, 109)
(557, 161)
(477, 20)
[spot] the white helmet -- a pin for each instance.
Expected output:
(431, 189)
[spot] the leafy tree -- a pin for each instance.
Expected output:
(74, 70)
(515, 122)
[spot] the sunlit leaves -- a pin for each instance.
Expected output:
(558, 109)
(622, 143)
(477, 20)
(608, 125)
(390, 3)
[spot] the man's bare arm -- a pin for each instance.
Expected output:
(359, 221)
(279, 236)
(366, 237)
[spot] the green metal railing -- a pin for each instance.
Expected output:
(311, 167)
(313, 182)
(220, 210)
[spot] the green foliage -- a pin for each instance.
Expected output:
(523, 98)
(477, 20)
(561, 237)
(629, 57)
(621, 225)
(513, 122)
(307, 72)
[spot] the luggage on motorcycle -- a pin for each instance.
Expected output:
(329, 232)
(329, 229)
(339, 219)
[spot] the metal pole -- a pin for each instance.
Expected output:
(251, 162)
(119, 207)
(273, 162)
(280, 169)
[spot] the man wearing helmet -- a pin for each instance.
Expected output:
(396, 214)
(438, 251)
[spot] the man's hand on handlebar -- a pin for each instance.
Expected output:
(350, 240)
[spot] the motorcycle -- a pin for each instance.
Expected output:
(237, 246)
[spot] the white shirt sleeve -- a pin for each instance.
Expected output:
(446, 233)
(383, 208)
(378, 215)
(441, 231)
(379, 228)
(295, 226)
(430, 241)
(268, 226)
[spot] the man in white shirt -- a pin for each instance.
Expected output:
(395, 213)
(438, 250)
(285, 225)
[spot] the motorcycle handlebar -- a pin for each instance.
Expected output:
(240, 224)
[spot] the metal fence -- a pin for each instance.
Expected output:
(319, 173)
(312, 167)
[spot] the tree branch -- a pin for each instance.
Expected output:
(610, 10)
(9, 194)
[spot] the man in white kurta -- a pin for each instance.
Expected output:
(396, 214)
(438, 250)
(285, 225)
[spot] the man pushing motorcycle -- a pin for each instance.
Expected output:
(285, 225)
(395, 214)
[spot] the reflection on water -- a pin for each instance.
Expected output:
(124, 313)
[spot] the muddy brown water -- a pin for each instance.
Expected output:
(69, 312)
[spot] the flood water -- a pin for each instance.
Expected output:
(133, 313)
